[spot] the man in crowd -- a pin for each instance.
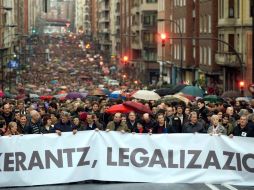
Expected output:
(243, 129)
(34, 125)
(132, 121)
(92, 122)
(64, 125)
(117, 124)
(193, 126)
(173, 121)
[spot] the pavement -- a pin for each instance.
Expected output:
(133, 186)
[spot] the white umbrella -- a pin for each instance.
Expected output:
(34, 96)
(146, 95)
(246, 99)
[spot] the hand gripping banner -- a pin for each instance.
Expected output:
(112, 156)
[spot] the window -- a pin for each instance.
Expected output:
(209, 24)
(221, 9)
(174, 51)
(251, 8)
(151, 1)
(238, 9)
(205, 55)
(201, 55)
(231, 41)
(194, 52)
(184, 24)
(184, 53)
(201, 24)
(209, 57)
(231, 7)
(205, 23)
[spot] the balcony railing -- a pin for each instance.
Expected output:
(228, 59)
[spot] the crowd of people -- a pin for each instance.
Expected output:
(70, 65)
(233, 118)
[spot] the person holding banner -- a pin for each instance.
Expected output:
(12, 129)
(65, 125)
(194, 126)
(161, 124)
(117, 124)
(216, 128)
(148, 122)
(243, 129)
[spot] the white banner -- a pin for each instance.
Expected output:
(172, 158)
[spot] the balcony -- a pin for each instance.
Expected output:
(104, 19)
(105, 7)
(227, 59)
(149, 44)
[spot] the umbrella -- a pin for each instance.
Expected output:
(164, 91)
(119, 108)
(75, 95)
(146, 95)
(231, 94)
(60, 96)
(116, 95)
(213, 99)
(46, 97)
(1, 94)
(178, 98)
(138, 107)
(34, 96)
(171, 100)
(170, 91)
(193, 91)
(245, 99)
(190, 97)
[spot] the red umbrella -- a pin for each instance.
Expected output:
(46, 97)
(119, 108)
(1, 94)
(138, 107)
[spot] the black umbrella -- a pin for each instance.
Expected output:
(163, 91)
(170, 91)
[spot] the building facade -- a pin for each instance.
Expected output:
(235, 28)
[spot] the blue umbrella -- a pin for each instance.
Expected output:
(193, 90)
(116, 95)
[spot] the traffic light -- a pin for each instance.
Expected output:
(125, 59)
(33, 31)
(241, 86)
(163, 39)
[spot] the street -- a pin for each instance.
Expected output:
(136, 186)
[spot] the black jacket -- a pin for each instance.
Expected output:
(247, 131)
(194, 128)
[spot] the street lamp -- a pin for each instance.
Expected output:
(2, 61)
(181, 44)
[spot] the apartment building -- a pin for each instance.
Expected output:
(83, 16)
(235, 28)
(115, 29)
(143, 37)
(104, 26)
(208, 71)
(164, 54)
